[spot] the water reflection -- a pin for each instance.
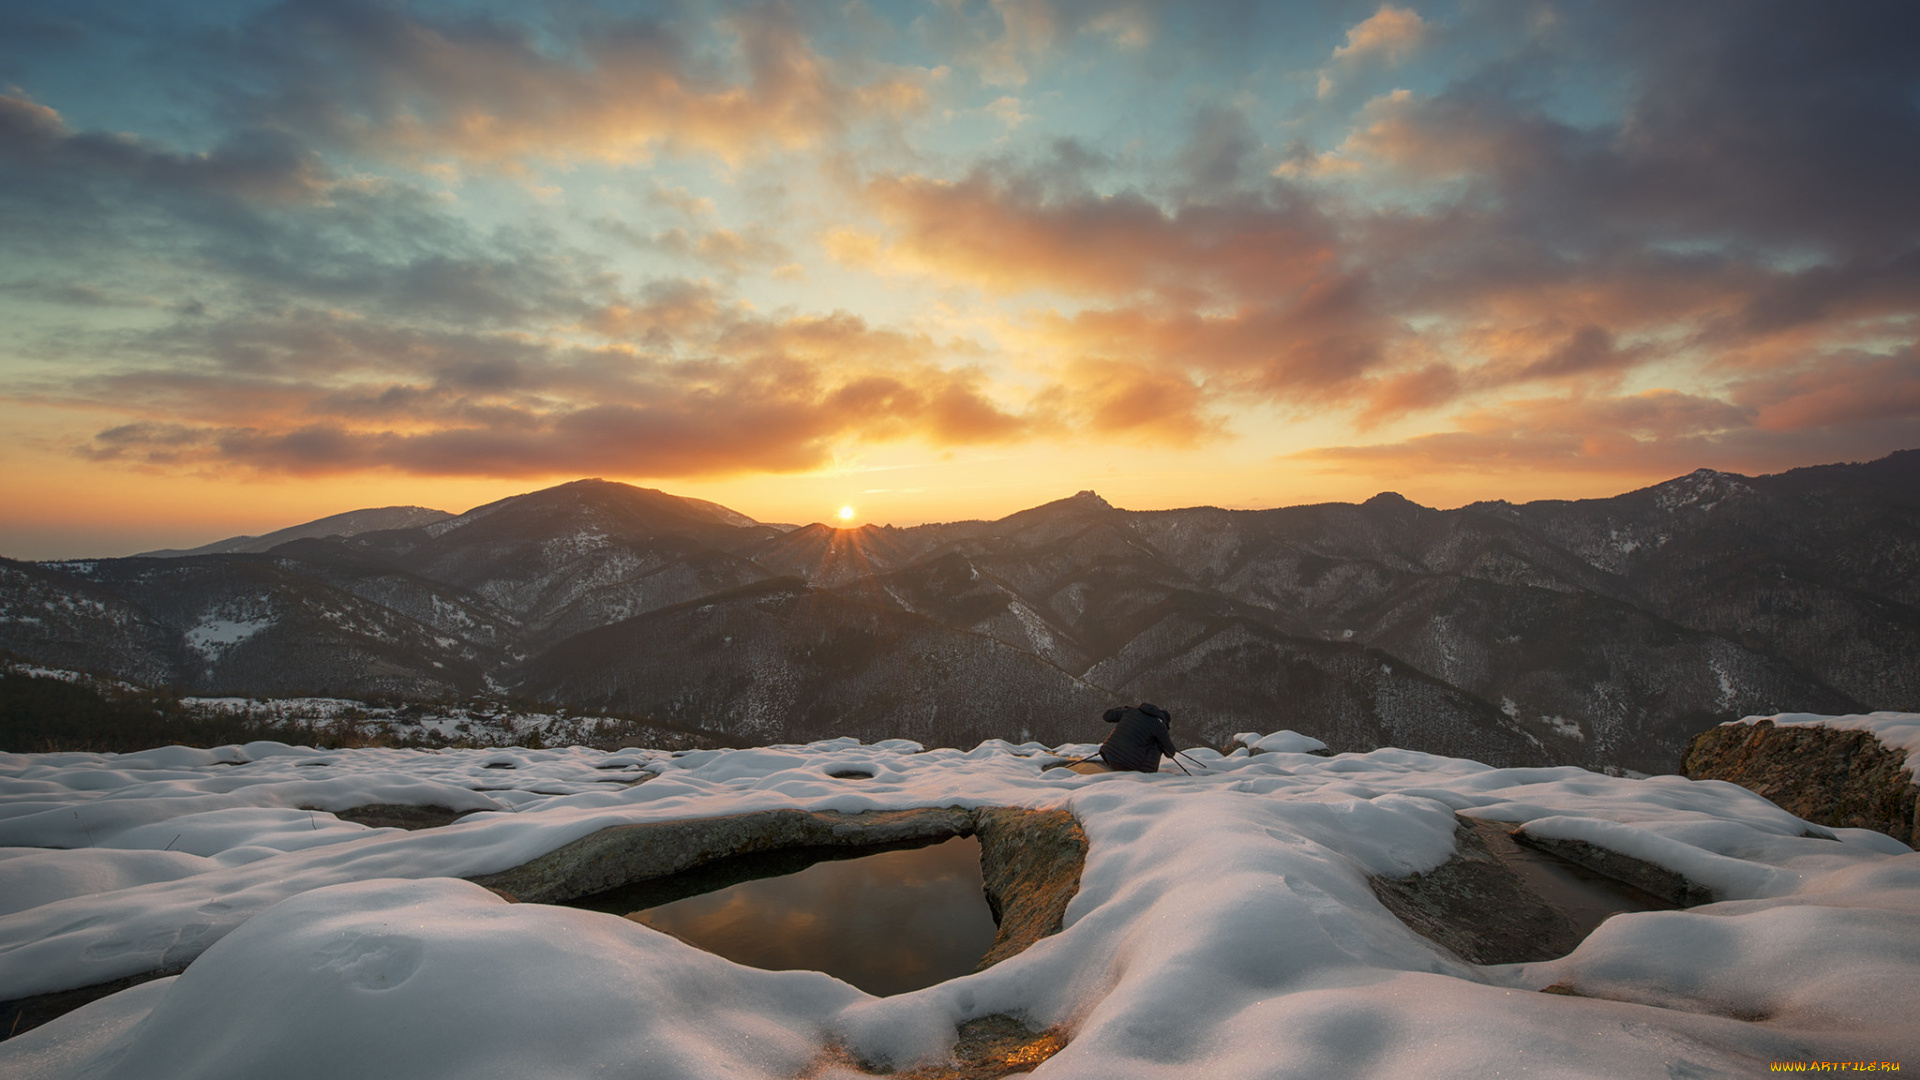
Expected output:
(1585, 897)
(887, 923)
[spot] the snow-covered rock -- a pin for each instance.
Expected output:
(1224, 925)
(1280, 742)
(1852, 771)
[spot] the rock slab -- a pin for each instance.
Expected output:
(1030, 863)
(1837, 777)
(626, 854)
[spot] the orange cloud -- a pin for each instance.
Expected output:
(1245, 298)
(1841, 391)
(1410, 391)
(757, 418)
(1390, 32)
(692, 385)
(1657, 432)
(663, 312)
(1011, 237)
(1314, 348)
(1387, 36)
(1442, 139)
(1135, 403)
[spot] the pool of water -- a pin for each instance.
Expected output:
(887, 920)
(1586, 898)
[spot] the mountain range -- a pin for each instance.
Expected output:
(1598, 632)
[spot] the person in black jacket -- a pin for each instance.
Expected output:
(1140, 735)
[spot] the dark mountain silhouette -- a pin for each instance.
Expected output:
(351, 523)
(1600, 632)
(574, 557)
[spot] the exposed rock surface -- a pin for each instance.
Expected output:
(1487, 906)
(986, 1048)
(22, 1015)
(1837, 777)
(1476, 907)
(1658, 881)
(626, 854)
(398, 816)
(1030, 861)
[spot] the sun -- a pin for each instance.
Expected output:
(846, 513)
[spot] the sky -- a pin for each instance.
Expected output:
(941, 259)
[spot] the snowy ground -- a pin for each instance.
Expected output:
(1224, 926)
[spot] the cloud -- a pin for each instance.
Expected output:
(1453, 136)
(663, 311)
(259, 165)
(1843, 390)
(756, 418)
(1219, 154)
(1391, 32)
(1007, 110)
(1004, 42)
(1012, 234)
(496, 93)
(1655, 430)
(1770, 425)
(1026, 32)
(1713, 199)
(709, 389)
(1769, 122)
(1135, 403)
(24, 123)
(261, 219)
(1313, 349)
(1736, 214)
(1410, 391)
(733, 250)
(1780, 121)
(74, 294)
(1385, 38)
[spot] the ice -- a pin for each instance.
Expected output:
(1224, 925)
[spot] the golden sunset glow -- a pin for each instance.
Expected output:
(959, 258)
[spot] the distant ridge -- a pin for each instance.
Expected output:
(351, 523)
(1599, 632)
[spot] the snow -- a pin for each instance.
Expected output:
(476, 722)
(34, 671)
(1280, 742)
(1224, 925)
(213, 634)
(1899, 730)
(1562, 725)
(303, 708)
(1035, 627)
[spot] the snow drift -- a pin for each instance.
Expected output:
(1224, 924)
